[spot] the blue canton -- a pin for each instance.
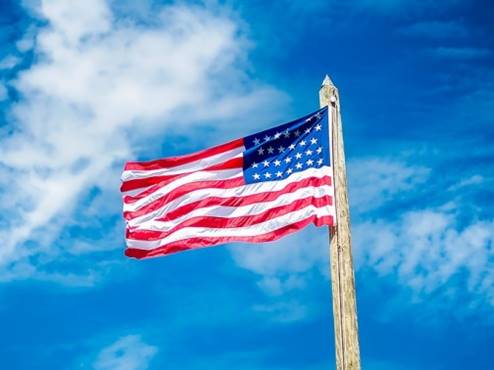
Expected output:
(276, 153)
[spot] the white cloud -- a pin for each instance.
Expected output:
(9, 62)
(374, 181)
(284, 312)
(100, 89)
(127, 353)
(284, 270)
(472, 180)
(27, 41)
(429, 248)
(3, 92)
(283, 266)
(426, 248)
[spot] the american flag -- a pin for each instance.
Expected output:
(255, 189)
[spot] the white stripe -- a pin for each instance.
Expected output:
(254, 230)
(193, 177)
(148, 222)
(243, 190)
(184, 168)
(134, 192)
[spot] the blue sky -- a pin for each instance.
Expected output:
(86, 86)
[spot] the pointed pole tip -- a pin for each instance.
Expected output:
(327, 81)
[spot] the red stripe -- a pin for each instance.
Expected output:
(183, 159)
(228, 202)
(230, 164)
(194, 243)
(166, 179)
(217, 222)
(182, 190)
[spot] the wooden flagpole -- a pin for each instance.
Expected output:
(342, 275)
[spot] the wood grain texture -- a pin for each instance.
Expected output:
(342, 274)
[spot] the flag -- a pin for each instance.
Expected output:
(255, 189)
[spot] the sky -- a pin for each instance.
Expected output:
(86, 86)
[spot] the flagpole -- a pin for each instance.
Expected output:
(341, 265)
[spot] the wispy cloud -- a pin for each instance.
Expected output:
(101, 87)
(400, 6)
(432, 249)
(284, 269)
(375, 181)
(428, 250)
(127, 353)
(436, 29)
(284, 312)
(283, 266)
(396, 8)
(469, 181)
(462, 53)
(9, 62)
(3, 92)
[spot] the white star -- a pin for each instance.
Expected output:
(309, 162)
(260, 151)
(254, 165)
(267, 138)
(309, 119)
(267, 175)
(277, 163)
(256, 176)
(281, 149)
(313, 140)
(318, 115)
(298, 155)
(308, 152)
(291, 147)
(302, 143)
(297, 133)
(277, 135)
(286, 134)
(319, 161)
(270, 150)
(279, 174)
(298, 165)
(265, 163)
(288, 159)
(319, 150)
(318, 127)
(307, 130)
(257, 141)
(289, 171)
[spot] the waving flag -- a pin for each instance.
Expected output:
(255, 189)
